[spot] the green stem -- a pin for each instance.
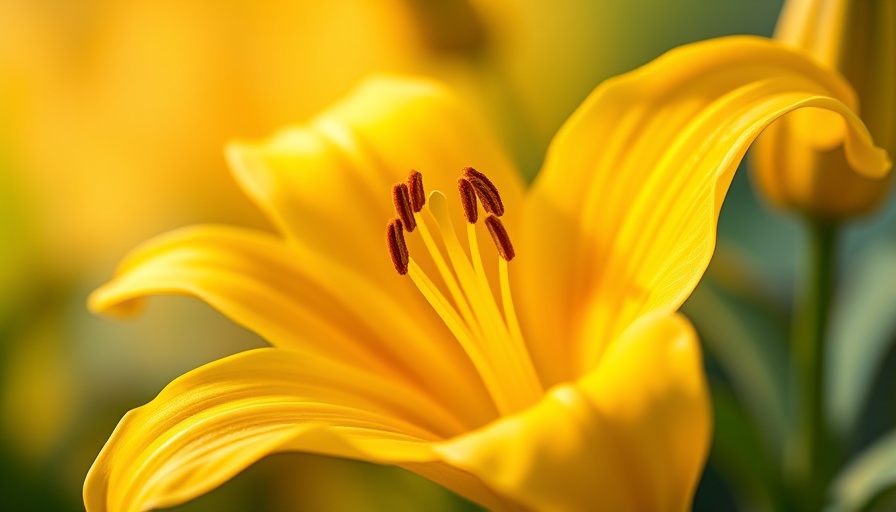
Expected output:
(811, 453)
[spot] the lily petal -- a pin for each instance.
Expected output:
(327, 185)
(213, 422)
(595, 445)
(294, 299)
(621, 221)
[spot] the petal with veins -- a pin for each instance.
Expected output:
(213, 422)
(632, 435)
(294, 299)
(621, 221)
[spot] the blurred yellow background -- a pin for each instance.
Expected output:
(113, 116)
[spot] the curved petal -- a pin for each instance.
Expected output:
(327, 185)
(213, 422)
(622, 218)
(294, 299)
(632, 435)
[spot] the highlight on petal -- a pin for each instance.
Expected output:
(295, 299)
(621, 220)
(213, 422)
(632, 435)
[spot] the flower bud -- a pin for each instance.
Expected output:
(798, 163)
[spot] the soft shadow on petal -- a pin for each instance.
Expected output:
(327, 184)
(296, 300)
(213, 422)
(621, 221)
(633, 435)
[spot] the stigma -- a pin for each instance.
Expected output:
(482, 320)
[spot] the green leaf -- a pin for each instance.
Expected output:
(862, 327)
(866, 477)
(740, 456)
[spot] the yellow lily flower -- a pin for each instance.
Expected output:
(560, 380)
(793, 165)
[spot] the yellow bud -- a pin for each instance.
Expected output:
(798, 162)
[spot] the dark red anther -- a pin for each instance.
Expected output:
(416, 190)
(398, 251)
(468, 200)
(486, 191)
(499, 235)
(402, 200)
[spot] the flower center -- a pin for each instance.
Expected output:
(490, 334)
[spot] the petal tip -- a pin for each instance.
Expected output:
(104, 301)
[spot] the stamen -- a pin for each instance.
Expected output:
(499, 235)
(510, 358)
(398, 250)
(486, 190)
(445, 271)
(513, 323)
(489, 334)
(468, 200)
(454, 323)
(417, 192)
(402, 200)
